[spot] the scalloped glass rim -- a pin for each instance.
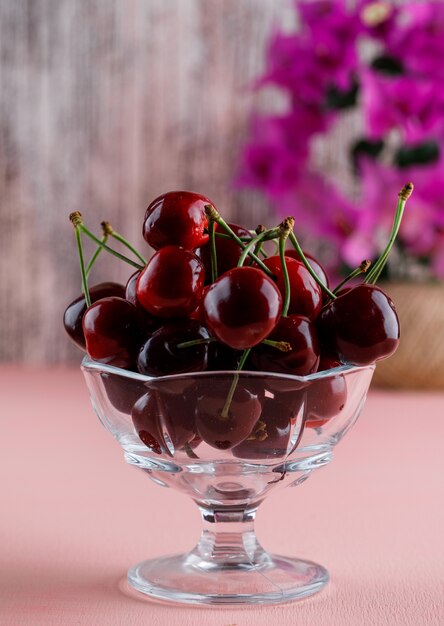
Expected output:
(90, 364)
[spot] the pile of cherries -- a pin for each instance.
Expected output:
(211, 299)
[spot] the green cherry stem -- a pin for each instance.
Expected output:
(377, 268)
(93, 259)
(195, 342)
(362, 269)
(190, 452)
(285, 228)
(213, 251)
(213, 214)
(77, 220)
(229, 399)
(122, 257)
(226, 236)
(304, 260)
(253, 243)
(107, 228)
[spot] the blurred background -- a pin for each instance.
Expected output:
(322, 109)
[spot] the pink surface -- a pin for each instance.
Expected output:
(74, 517)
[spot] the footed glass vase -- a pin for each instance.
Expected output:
(227, 439)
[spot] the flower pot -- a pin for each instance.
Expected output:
(419, 361)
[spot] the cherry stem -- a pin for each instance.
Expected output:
(190, 452)
(283, 346)
(226, 236)
(253, 243)
(377, 268)
(213, 214)
(108, 229)
(77, 220)
(304, 260)
(285, 228)
(108, 249)
(95, 255)
(195, 342)
(229, 399)
(359, 270)
(258, 247)
(211, 231)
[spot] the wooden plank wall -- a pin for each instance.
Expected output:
(104, 105)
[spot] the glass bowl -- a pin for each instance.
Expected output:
(227, 439)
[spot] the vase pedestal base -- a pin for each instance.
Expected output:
(187, 579)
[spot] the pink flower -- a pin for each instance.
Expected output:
(414, 106)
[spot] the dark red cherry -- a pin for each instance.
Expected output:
(242, 307)
(122, 392)
(360, 326)
(113, 332)
(176, 218)
(150, 322)
(160, 356)
(225, 431)
(326, 397)
(301, 360)
(315, 265)
(172, 282)
(270, 436)
(306, 295)
(163, 422)
(73, 315)
(228, 252)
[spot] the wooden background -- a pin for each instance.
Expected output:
(104, 105)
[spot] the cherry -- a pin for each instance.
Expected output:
(150, 322)
(315, 265)
(176, 218)
(303, 357)
(225, 431)
(360, 326)
(172, 282)
(306, 295)
(73, 315)
(113, 333)
(271, 434)
(122, 393)
(228, 251)
(163, 422)
(326, 397)
(160, 355)
(242, 307)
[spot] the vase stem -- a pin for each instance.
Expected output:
(228, 539)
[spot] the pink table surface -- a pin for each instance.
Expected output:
(74, 517)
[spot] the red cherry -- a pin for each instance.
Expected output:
(176, 218)
(224, 432)
(160, 356)
(73, 315)
(242, 307)
(228, 252)
(271, 434)
(151, 323)
(301, 360)
(326, 397)
(306, 295)
(163, 422)
(315, 265)
(172, 282)
(121, 393)
(113, 333)
(360, 326)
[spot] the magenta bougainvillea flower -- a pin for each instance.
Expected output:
(385, 60)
